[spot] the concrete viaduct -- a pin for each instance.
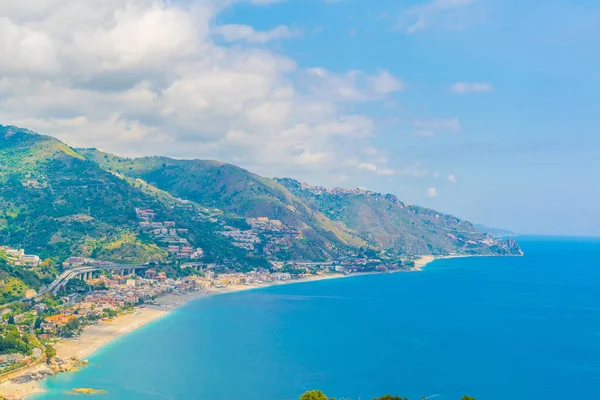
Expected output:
(87, 272)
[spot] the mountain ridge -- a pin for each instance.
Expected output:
(87, 198)
(56, 203)
(384, 218)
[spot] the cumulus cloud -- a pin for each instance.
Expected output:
(233, 33)
(150, 77)
(452, 178)
(432, 192)
(370, 167)
(353, 86)
(442, 14)
(430, 127)
(386, 172)
(263, 2)
(415, 170)
(472, 87)
(367, 167)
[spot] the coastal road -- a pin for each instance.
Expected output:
(63, 278)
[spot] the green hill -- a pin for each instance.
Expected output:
(56, 203)
(236, 190)
(384, 221)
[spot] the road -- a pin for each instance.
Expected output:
(63, 278)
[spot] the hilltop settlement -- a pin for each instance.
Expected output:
(87, 236)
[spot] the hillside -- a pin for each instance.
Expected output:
(56, 203)
(384, 221)
(236, 190)
(494, 231)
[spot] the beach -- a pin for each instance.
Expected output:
(98, 335)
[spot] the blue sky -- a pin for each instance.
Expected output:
(486, 109)
(527, 156)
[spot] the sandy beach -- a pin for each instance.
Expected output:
(95, 336)
(421, 262)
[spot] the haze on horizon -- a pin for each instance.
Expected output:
(486, 109)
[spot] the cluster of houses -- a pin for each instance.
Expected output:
(243, 239)
(169, 234)
(248, 278)
(273, 226)
(186, 251)
(18, 257)
(276, 235)
(337, 190)
(121, 292)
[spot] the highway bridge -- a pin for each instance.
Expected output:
(87, 272)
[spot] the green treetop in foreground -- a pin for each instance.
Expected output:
(318, 395)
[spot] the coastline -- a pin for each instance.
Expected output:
(94, 337)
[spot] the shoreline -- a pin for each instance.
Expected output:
(95, 337)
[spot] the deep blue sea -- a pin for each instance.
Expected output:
(495, 328)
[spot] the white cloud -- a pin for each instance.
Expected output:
(442, 14)
(386, 172)
(264, 2)
(452, 178)
(432, 192)
(367, 167)
(472, 87)
(143, 77)
(385, 83)
(370, 167)
(415, 170)
(233, 33)
(430, 127)
(352, 86)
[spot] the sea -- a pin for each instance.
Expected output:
(495, 328)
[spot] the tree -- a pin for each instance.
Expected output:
(468, 398)
(390, 397)
(11, 320)
(50, 353)
(314, 395)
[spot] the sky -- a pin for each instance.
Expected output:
(485, 109)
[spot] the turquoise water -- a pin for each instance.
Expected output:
(494, 328)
